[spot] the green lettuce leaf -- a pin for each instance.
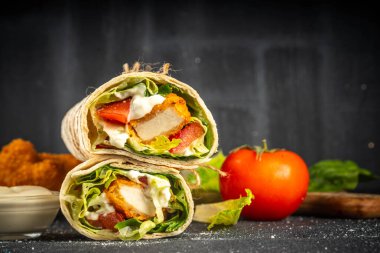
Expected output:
(209, 178)
(164, 90)
(133, 229)
(162, 143)
(336, 175)
(151, 87)
(178, 210)
(222, 213)
(109, 96)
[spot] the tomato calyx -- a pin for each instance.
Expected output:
(264, 149)
(260, 150)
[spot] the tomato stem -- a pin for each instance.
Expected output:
(265, 145)
(260, 150)
(264, 149)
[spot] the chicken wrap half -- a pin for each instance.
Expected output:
(147, 116)
(109, 198)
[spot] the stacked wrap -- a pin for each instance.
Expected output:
(78, 129)
(123, 158)
(68, 200)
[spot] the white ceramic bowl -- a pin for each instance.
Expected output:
(27, 213)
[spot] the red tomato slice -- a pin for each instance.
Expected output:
(188, 134)
(109, 220)
(95, 223)
(103, 146)
(116, 111)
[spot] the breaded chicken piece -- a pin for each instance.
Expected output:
(17, 153)
(20, 164)
(66, 161)
(128, 197)
(164, 119)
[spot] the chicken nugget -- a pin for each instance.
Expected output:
(66, 161)
(20, 164)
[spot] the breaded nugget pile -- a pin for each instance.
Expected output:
(20, 164)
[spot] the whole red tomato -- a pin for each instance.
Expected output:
(278, 179)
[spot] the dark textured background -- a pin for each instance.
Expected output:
(304, 75)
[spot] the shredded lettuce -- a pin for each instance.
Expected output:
(222, 213)
(83, 196)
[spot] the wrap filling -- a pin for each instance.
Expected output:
(127, 203)
(152, 118)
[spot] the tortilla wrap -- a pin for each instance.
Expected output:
(79, 132)
(124, 164)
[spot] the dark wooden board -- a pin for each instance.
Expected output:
(342, 205)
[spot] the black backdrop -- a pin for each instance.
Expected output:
(304, 75)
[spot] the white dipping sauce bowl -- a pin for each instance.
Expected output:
(26, 211)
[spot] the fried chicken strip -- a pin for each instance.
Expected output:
(20, 164)
(128, 197)
(164, 119)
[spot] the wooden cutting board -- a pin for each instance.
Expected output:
(341, 205)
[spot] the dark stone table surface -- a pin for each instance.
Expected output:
(294, 234)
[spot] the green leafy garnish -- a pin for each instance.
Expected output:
(164, 90)
(133, 229)
(162, 143)
(209, 178)
(222, 213)
(130, 223)
(336, 175)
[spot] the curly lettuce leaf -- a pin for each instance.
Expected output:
(336, 175)
(109, 96)
(222, 213)
(133, 229)
(151, 87)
